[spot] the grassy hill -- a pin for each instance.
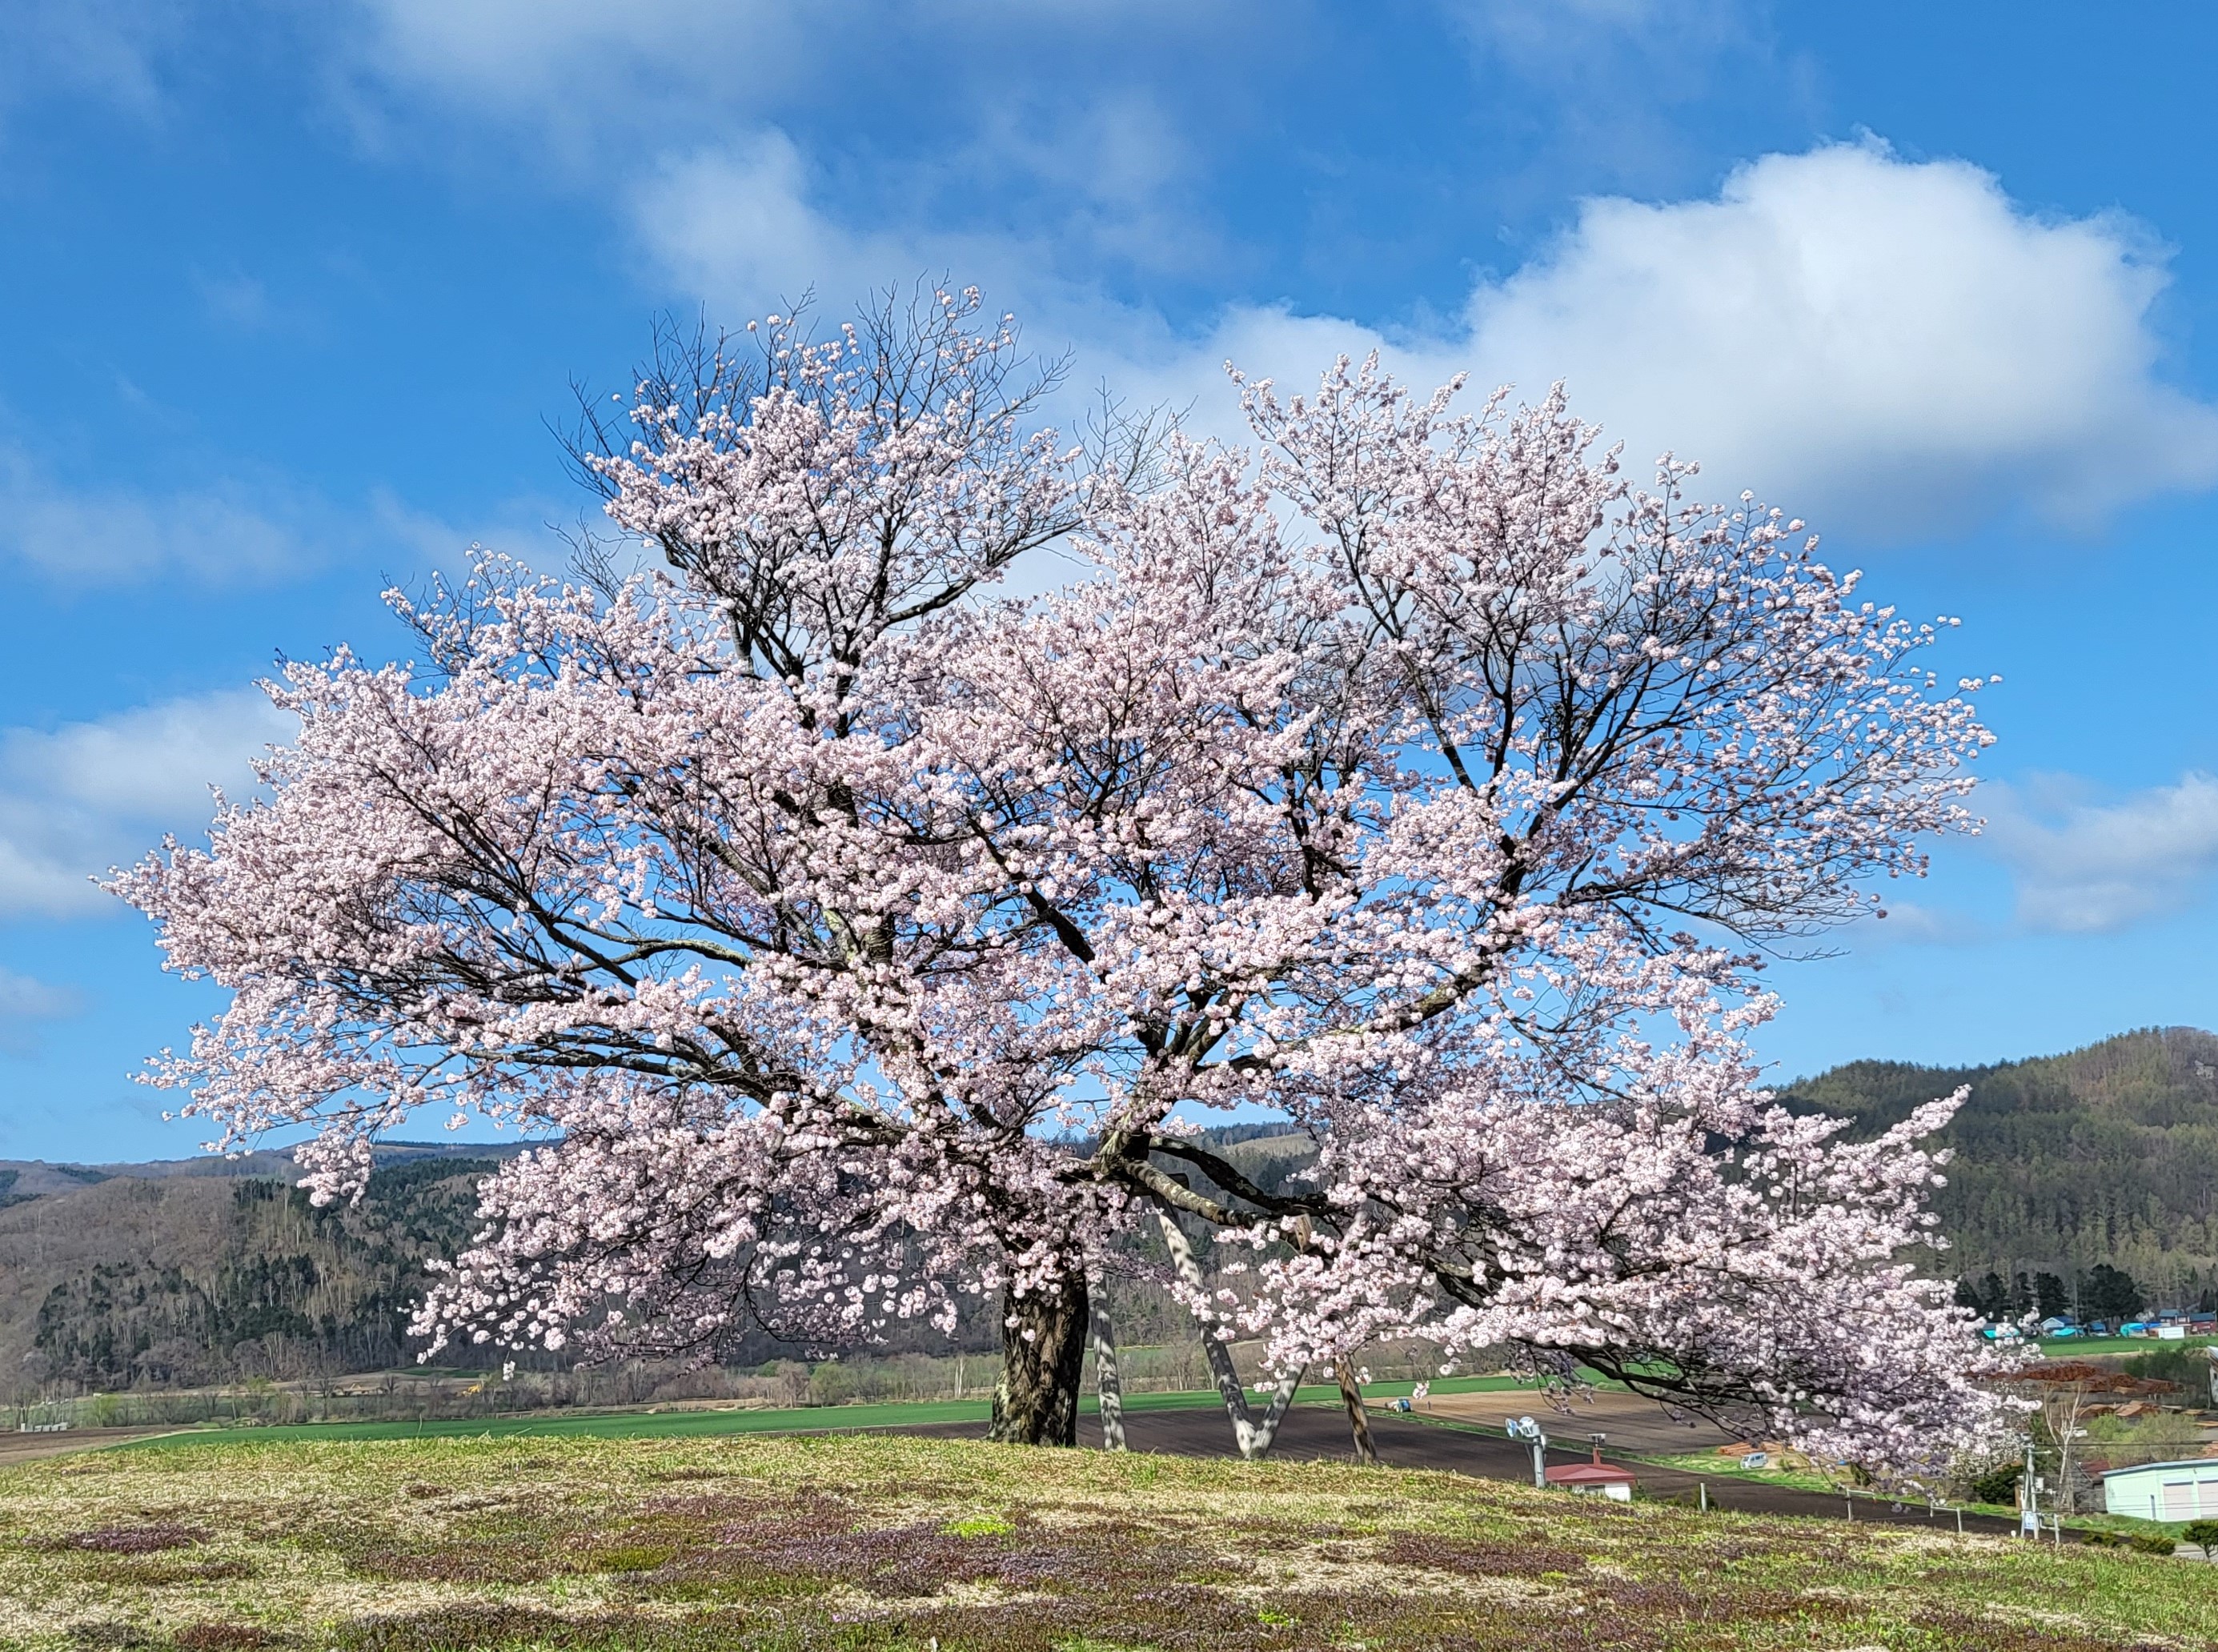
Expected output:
(878, 1543)
(2104, 1155)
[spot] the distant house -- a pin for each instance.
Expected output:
(2185, 1490)
(1595, 1479)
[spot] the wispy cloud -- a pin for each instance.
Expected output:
(79, 799)
(2083, 865)
(226, 533)
(27, 1006)
(1615, 78)
(108, 49)
(231, 532)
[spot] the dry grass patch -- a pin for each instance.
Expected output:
(891, 1544)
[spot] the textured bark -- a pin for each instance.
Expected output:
(1043, 1356)
(1253, 1437)
(1359, 1421)
(1108, 1381)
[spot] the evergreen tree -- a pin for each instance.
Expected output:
(2050, 1299)
(2109, 1294)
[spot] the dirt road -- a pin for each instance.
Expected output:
(23, 1447)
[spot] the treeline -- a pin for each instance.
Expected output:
(2102, 1294)
(2103, 1158)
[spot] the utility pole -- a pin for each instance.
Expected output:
(1530, 1431)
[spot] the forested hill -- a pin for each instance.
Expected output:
(200, 1270)
(2107, 1154)
(207, 1270)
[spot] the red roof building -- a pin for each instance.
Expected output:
(1596, 1479)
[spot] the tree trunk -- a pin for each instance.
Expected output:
(1358, 1422)
(1108, 1381)
(1253, 1438)
(1042, 1357)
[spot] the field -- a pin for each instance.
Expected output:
(886, 1543)
(682, 1421)
(2111, 1347)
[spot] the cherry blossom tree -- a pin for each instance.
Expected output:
(856, 939)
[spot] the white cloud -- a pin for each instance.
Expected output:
(2084, 866)
(736, 220)
(234, 533)
(1843, 330)
(532, 56)
(741, 223)
(1076, 120)
(1871, 343)
(575, 68)
(596, 79)
(79, 799)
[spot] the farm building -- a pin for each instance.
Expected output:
(2185, 1490)
(1595, 1479)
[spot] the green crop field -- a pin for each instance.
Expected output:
(2110, 1347)
(883, 1543)
(646, 1424)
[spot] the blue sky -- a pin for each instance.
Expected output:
(290, 292)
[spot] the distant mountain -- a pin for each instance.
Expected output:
(206, 1270)
(2105, 1155)
(200, 1270)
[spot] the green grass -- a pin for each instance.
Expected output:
(1725, 1467)
(588, 1424)
(641, 1424)
(882, 1544)
(2108, 1348)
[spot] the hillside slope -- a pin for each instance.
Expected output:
(2105, 1155)
(118, 1275)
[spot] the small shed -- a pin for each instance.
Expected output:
(1596, 1479)
(2184, 1490)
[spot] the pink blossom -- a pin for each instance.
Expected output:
(855, 939)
